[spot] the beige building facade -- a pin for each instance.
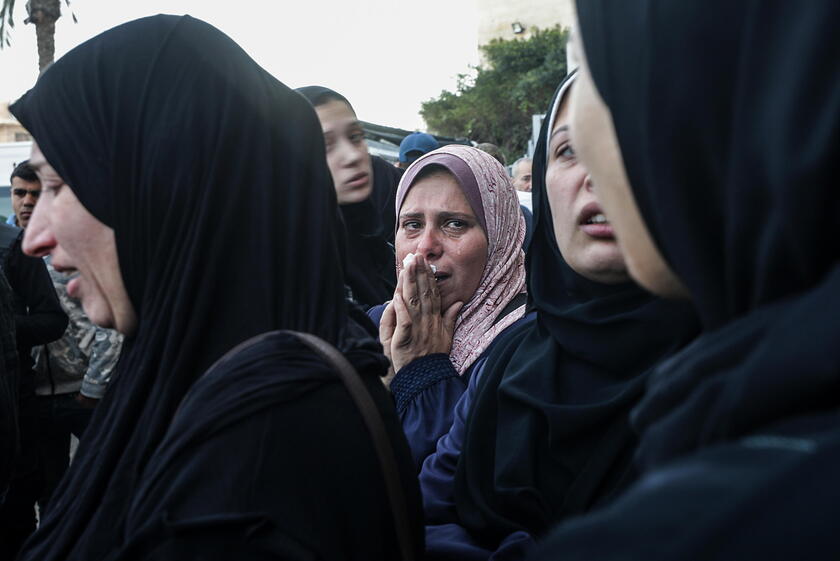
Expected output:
(511, 19)
(10, 129)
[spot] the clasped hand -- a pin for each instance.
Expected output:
(413, 324)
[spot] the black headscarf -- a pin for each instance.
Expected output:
(371, 271)
(731, 146)
(548, 435)
(728, 118)
(213, 177)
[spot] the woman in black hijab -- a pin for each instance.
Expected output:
(738, 209)
(365, 186)
(547, 435)
(206, 182)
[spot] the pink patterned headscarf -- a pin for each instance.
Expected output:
(493, 199)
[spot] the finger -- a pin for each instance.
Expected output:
(400, 275)
(424, 288)
(402, 331)
(387, 324)
(410, 295)
(434, 291)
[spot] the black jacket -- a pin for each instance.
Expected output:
(39, 318)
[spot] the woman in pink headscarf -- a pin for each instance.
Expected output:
(461, 283)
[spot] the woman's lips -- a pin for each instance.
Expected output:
(601, 231)
(593, 222)
(357, 181)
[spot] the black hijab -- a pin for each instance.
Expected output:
(213, 177)
(371, 270)
(730, 128)
(548, 435)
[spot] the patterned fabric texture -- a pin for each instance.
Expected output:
(85, 356)
(504, 273)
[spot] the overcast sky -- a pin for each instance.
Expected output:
(385, 56)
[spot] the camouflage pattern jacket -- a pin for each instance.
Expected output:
(85, 356)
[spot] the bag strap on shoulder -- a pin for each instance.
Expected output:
(376, 426)
(371, 417)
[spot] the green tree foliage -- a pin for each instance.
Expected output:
(517, 81)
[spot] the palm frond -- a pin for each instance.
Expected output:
(7, 21)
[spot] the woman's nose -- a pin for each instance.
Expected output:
(429, 244)
(587, 182)
(39, 239)
(350, 155)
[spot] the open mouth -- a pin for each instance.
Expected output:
(594, 222)
(597, 219)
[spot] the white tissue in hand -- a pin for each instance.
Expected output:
(409, 259)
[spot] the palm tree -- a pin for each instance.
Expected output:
(43, 14)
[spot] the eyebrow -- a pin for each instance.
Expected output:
(562, 128)
(356, 123)
(442, 214)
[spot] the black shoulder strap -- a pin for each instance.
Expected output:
(375, 425)
(371, 417)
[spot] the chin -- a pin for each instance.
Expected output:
(602, 263)
(99, 314)
(356, 195)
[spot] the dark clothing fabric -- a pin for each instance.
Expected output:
(39, 318)
(9, 376)
(769, 497)
(371, 265)
(386, 178)
(529, 225)
(427, 390)
(17, 512)
(315, 492)
(548, 435)
(179, 113)
(59, 417)
(446, 536)
(738, 431)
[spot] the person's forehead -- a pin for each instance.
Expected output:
(336, 115)
(523, 167)
(438, 192)
(18, 181)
